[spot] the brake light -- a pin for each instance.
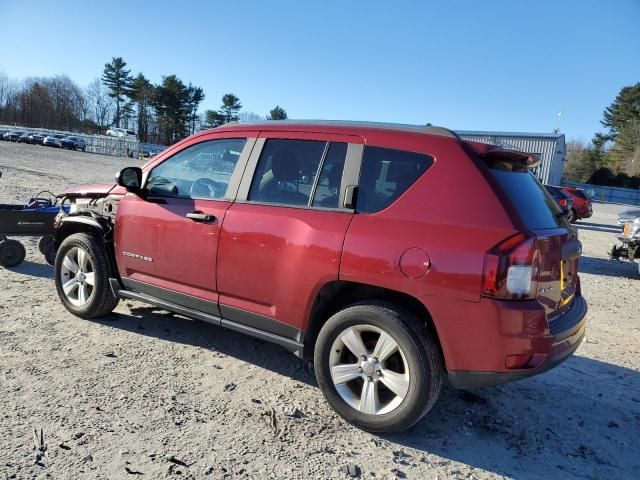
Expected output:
(511, 269)
(562, 202)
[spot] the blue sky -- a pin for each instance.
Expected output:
(475, 65)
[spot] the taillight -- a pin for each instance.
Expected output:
(511, 269)
(562, 202)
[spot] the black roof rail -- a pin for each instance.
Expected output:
(441, 131)
(433, 130)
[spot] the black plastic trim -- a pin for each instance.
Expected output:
(83, 220)
(565, 325)
(150, 299)
(188, 301)
(260, 322)
(291, 345)
(571, 250)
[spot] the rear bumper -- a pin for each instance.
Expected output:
(567, 332)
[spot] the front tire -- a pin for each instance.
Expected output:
(377, 368)
(82, 277)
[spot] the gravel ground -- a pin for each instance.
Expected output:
(149, 394)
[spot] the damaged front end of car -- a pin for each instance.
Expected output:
(629, 248)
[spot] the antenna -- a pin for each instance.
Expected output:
(558, 127)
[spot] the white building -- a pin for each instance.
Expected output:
(548, 147)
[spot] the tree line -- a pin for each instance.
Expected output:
(161, 113)
(612, 157)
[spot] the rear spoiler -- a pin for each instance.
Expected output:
(494, 153)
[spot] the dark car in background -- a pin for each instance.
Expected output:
(24, 138)
(36, 138)
(581, 203)
(73, 143)
(53, 141)
(2, 132)
(562, 198)
(12, 136)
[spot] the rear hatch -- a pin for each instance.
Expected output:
(553, 243)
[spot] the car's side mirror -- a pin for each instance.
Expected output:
(130, 178)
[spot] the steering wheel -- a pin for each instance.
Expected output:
(162, 186)
(207, 188)
(41, 200)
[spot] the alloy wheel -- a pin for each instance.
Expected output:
(77, 276)
(369, 369)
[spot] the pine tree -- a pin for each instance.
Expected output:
(230, 108)
(622, 119)
(171, 103)
(213, 119)
(117, 78)
(196, 96)
(140, 93)
(277, 113)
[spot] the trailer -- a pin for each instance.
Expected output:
(33, 219)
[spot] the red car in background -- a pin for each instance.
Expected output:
(581, 204)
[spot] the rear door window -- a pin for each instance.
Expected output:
(327, 191)
(290, 171)
(386, 174)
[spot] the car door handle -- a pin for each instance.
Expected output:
(200, 217)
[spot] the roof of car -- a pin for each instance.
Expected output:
(339, 125)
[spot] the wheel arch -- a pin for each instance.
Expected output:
(338, 294)
(85, 224)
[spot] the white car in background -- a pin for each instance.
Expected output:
(122, 133)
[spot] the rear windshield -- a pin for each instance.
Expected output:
(534, 204)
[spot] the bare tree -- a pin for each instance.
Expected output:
(101, 105)
(246, 117)
(4, 88)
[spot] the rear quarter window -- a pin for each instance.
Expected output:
(386, 174)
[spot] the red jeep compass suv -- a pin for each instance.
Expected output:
(346, 243)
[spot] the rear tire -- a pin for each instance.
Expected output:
(82, 277)
(385, 394)
(12, 253)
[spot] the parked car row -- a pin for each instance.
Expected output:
(71, 142)
(122, 133)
